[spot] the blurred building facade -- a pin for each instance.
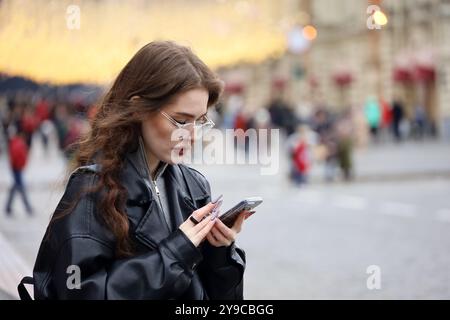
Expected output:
(407, 59)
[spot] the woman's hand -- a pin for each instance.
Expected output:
(197, 232)
(220, 235)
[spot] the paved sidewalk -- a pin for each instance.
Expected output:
(398, 222)
(12, 269)
(391, 161)
(5, 296)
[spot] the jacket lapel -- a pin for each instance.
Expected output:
(194, 196)
(143, 211)
(184, 192)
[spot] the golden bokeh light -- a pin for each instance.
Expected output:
(309, 32)
(380, 18)
(37, 38)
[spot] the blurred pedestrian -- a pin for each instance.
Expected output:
(420, 122)
(4, 119)
(261, 120)
(240, 126)
(73, 135)
(386, 118)
(18, 153)
(282, 115)
(300, 151)
(42, 112)
(61, 123)
(360, 128)
(234, 104)
(373, 115)
(29, 124)
(397, 117)
(324, 126)
(344, 133)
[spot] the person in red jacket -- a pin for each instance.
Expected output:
(29, 124)
(42, 115)
(18, 154)
(299, 147)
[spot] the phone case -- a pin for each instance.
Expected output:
(229, 217)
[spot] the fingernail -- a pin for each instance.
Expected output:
(217, 199)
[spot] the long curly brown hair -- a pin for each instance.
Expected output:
(156, 74)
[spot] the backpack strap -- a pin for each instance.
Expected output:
(23, 292)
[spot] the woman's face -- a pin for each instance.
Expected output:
(161, 137)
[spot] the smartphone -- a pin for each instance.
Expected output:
(229, 217)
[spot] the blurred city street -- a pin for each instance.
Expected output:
(315, 241)
(348, 100)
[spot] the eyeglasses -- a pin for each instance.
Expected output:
(204, 123)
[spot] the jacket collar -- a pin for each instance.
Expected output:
(183, 187)
(138, 160)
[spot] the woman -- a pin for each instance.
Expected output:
(130, 224)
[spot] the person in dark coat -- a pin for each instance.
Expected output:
(397, 117)
(134, 222)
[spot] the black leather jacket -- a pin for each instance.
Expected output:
(166, 266)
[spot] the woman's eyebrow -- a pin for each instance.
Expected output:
(185, 114)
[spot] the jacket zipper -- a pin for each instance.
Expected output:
(156, 188)
(158, 195)
(148, 172)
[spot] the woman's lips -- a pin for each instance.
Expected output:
(180, 151)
